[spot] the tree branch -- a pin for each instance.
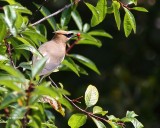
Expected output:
(8, 46)
(53, 14)
(77, 107)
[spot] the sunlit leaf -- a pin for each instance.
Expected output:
(77, 120)
(141, 9)
(127, 26)
(98, 123)
(100, 33)
(77, 19)
(10, 98)
(18, 7)
(38, 66)
(86, 27)
(3, 29)
(99, 110)
(70, 64)
(10, 18)
(91, 96)
(28, 48)
(85, 61)
(17, 114)
(116, 6)
(131, 19)
(65, 17)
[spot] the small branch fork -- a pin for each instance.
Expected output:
(124, 5)
(83, 110)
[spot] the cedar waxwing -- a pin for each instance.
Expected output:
(54, 50)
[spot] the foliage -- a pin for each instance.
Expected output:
(23, 99)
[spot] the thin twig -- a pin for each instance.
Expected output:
(8, 46)
(53, 14)
(77, 107)
(32, 17)
(74, 43)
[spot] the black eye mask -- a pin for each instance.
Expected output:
(68, 35)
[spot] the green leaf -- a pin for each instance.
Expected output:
(42, 29)
(77, 19)
(12, 71)
(85, 61)
(127, 26)
(65, 17)
(91, 42)
(99, 12)
(17, 114)
(100, 33)
(130, 117)
(131, 19)
(131, 2)
(10, 98)
(77, 120)
(38, 66)
(86, 27)
(46, 12)
(116, 6)
(3, 58)
(70, 64)
(10, 18)
(3, 29)
(113, 118)
(99, 110)
(35, 36)
(98, 123)
(91, 96)
(28, 48)
(19, 8)
(10, 82)
(141, 9)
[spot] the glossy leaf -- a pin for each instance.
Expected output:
(91, 96)
(10, 98)
(3, 29)
(17, 114)
(86, 27)
(131, 19)
(65, 17)
(38, 66)
(98, 12)
(130, 117)
(100, 33)
(46, 12)
(10, 82)
(90, 42)
(99, 110)
(34, 36)
(28, 48)
(85, 61)
(77, 120)
(10, 18)
(42, 29)
(116, 6)
(77, 19)
(98, 123)
(12, 71)
(127, 26)
(70, 64)
(19, 8)
(141, 9)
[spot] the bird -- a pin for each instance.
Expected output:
(54, 50)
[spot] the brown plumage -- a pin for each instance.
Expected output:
(54, 50)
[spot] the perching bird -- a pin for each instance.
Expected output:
(54, 50)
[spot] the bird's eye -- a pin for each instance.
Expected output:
(68, 35)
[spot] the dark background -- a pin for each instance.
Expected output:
(130, 67)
